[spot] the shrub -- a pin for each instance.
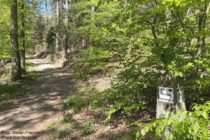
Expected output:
(183, 126)
(91, 62)
(75, 102)
(132, 92)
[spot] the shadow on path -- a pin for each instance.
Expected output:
(43, 101)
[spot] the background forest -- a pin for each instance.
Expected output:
(138, 44)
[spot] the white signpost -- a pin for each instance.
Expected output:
(166, 94)
(169, 101)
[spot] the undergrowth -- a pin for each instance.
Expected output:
(88, 127)
(91, 61)
(183, 126)
(29, 66)
(15, 90)
(75, 102)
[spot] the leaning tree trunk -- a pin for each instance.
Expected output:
(22, 52)
(16, 63)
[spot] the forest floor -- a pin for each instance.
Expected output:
(42, 104)
(36, 112)
(39, 114)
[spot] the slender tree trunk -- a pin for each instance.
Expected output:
(22, 52)
(46, 11)
(57, 20)
(16, 63)
(46, 20)
(65, 49)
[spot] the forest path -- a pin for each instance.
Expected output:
(43, 104)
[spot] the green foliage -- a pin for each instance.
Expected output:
(4, 30)
(133, 91)
(39, 30)
(89, 127)
(185, 125)
(197, 91)
(91, 62)
(59, 129)
(29, 66)
(88, 98)
(126, 98)
(9, 92)
(151, 39)
(64, 132)
(29, 19)
(75, 102)
(5, 73)
(50, 37)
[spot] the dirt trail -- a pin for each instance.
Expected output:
(43, 104)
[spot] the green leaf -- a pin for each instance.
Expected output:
(137, 135)
(205, 115)
(143, 132)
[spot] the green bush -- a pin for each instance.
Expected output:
(197, 91)
(183, 126)
(75, 102)
(132, 92)
(91, 62)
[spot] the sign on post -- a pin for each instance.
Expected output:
(166, 94)
(168, 103)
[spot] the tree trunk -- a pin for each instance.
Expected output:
(65, 49)
(23, 65)
(45, 22)
(16, 63)
(57, 20)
